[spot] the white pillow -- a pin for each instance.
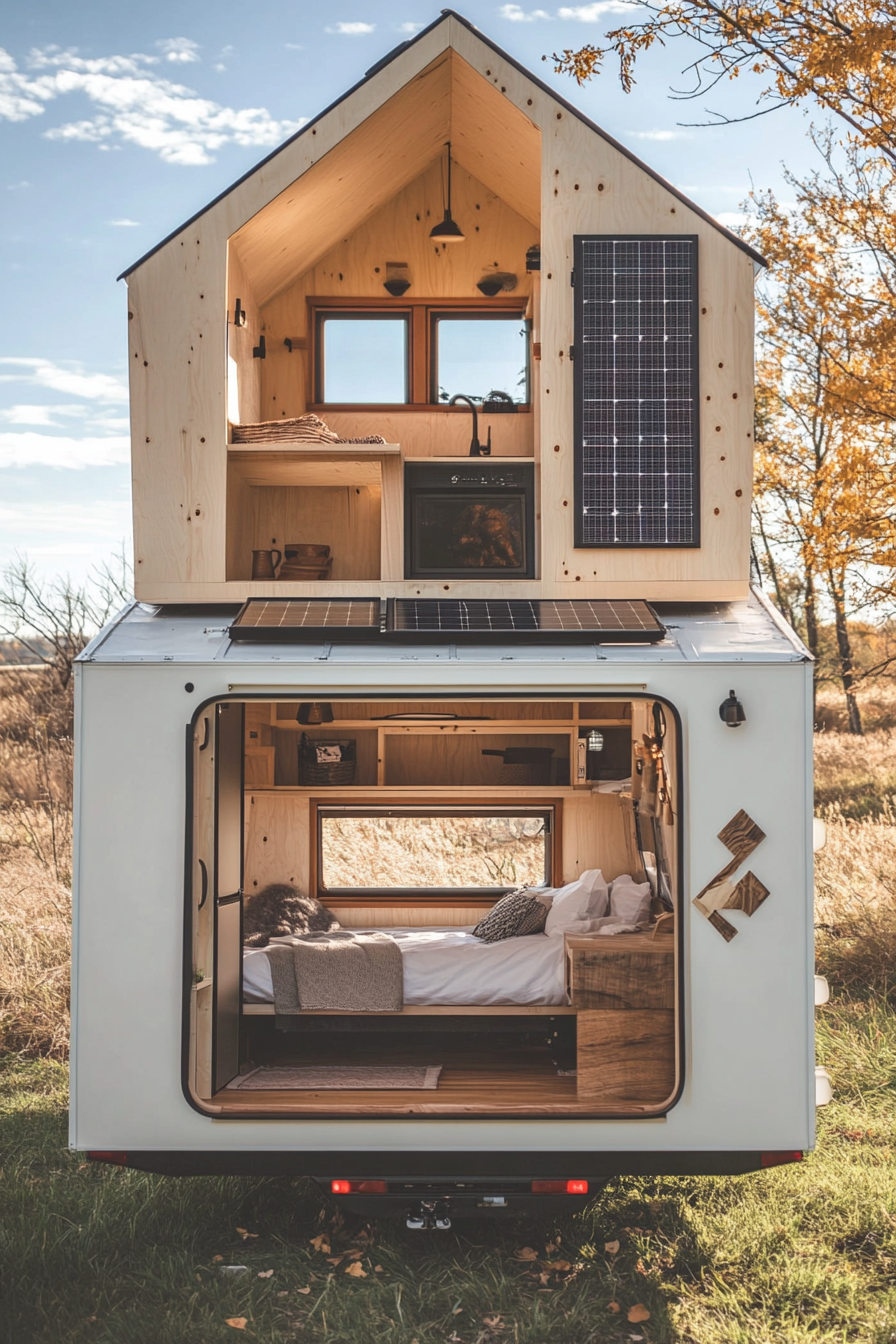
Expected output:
(630, 900)
(586, 898)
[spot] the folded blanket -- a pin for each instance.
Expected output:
(343, 971)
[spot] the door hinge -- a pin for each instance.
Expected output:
(572, 352)
(572, 279)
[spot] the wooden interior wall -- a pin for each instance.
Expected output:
(243, 369)
(496, 240)
(595, 835)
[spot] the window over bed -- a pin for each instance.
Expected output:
(440, 852)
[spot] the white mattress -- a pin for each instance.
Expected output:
(449, 967)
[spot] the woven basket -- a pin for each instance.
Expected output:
(316, 772)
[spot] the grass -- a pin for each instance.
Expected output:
(805, 1253)
(801, 1253)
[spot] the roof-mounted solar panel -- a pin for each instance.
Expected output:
(272, 620)
(446, 620)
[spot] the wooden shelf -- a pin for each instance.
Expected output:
(304, 448)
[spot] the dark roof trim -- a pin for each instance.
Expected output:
(387, 60)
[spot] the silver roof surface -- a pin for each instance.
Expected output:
(749, 631)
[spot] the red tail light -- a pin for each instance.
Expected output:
(559, 1187)
(117, 1159)
(359, 1187)
(779, 1159)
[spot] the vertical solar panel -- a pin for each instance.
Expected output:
(636, 391)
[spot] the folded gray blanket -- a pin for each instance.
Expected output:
(343, 971)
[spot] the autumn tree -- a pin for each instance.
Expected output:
(839, 53)
(826, 466)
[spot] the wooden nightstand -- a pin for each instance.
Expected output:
(623, 990)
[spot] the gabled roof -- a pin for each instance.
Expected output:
(445, 16)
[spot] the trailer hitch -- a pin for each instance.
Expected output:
(429, 1214)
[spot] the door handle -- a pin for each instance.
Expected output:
(204, 742)
(204, 872)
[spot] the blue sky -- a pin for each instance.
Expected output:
(118, 122)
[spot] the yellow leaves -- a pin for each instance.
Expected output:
(355, 1270)
(237, 1322)
(321, 1243)
(638, 1313)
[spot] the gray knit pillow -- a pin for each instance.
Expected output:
(512, 917)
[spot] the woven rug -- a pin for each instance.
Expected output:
(337, 1077)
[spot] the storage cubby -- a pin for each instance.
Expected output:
(457, 761)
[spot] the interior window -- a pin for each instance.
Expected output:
(362, 358)
(474, 356)
(381, 850)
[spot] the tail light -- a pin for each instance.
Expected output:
(116, 1159)
(359, 1187)
(779, 1159)
(559, 1187)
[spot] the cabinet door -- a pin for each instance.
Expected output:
(228, 884)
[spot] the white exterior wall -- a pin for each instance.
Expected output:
(749, 1057)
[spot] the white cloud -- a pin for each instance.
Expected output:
(134, 105)
(53, 416)
(594, 13)
(123, 223)
(182, 50)
(409, 27)
(516, 14)
(293, 46)
(48, 450)
(732, 219)
(661, 135)
(70, 379)
(18, 186)
(351, 29)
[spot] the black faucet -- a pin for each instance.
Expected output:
(477, 449)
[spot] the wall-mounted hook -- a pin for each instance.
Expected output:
(288, 344)
(258, 351)
(239, 315)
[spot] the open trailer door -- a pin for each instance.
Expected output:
(217, 897)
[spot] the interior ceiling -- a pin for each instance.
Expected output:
(390, 149)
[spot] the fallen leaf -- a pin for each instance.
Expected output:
(335, 1260)
(641, 1267)
(638, 1313)
(216, 1259)
(526, 1253)
(246, 1235)
(557, 1264)
(265, 1273)
(238, 1322)
(544, 1278)
(284, 1292)
(457, 1311)
(378, 1269)
(611, 1247)
(355, 1270)
(613, 1306)
(85, 1166)
(354, 1254)
(493, 1322)
(303, 1290)
(321, 1243)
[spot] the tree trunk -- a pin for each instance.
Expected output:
(844, 650)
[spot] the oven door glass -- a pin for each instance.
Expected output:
(485, 534)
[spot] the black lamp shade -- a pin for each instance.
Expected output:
(447, 232)
(731, 711)
(397, 287)
(490, 286)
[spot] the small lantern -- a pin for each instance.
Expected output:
(731, 711)
(595, 740)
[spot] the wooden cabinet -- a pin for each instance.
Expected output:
(623, 989)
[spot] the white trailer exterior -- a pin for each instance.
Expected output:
(747, 1020)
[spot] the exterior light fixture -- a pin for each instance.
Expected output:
(595, 740)
(731, 711)
(496, 282)
(397, 281)
(447, 231)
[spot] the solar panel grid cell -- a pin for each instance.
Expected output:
(637, 449)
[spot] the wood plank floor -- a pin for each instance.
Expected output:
(508, 1082)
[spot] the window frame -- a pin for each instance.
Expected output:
(421, 382)
(320, 808)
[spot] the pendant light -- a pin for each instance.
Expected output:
(447, 231)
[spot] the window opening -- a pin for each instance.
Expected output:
(363, 358)
(475, 355)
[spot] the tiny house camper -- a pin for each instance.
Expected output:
(444, 798)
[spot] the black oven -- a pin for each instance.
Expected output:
(469, 520)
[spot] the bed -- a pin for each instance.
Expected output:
(448, 967)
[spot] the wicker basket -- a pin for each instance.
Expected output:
(336, 767)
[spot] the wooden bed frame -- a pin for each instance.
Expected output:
(423, 1010)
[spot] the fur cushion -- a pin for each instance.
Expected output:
(512, 916)
(279, 911)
